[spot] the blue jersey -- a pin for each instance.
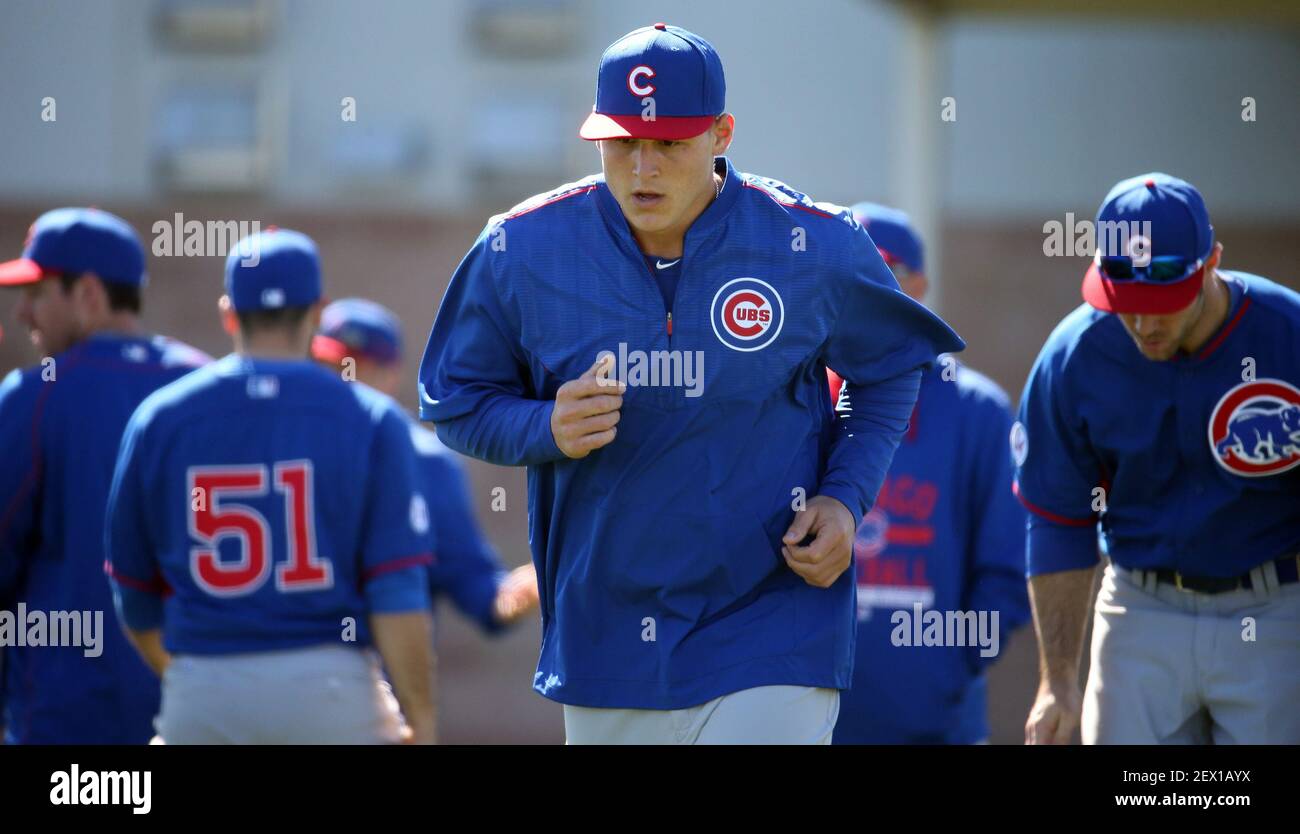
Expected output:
(946, 533)
(1191, 464)
(659, 556)
(466, 568)
(271, 504)
(60, 425)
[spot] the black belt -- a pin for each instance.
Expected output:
(1288, 571)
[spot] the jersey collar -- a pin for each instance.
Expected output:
(708, 219)
(1240, 302)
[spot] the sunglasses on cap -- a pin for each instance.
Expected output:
(1162, 269)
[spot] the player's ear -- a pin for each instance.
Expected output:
(314, 314)
(1216, 255)
(724, 130)
(229, 321)
(920, 287)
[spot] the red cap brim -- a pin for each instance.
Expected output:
(600, 126)
(1138, 298)
(20, 271)
(328, 349)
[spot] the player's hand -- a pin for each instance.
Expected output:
(587, 410)
(517, 595)
(420, 733)
(1055, 714)
(821, 561)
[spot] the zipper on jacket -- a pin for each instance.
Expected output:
(670, 322)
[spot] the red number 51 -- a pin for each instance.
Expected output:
(217, 518)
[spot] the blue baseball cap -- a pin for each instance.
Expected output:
(272, 269)
(359, 328)
(1179, 237)
(891, 230)
(680, 71)
(77, 240)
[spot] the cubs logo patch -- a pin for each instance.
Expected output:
(747, 314)
(1255, 428)
(871, 536)
(1019, 443)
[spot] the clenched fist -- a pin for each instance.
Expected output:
(830, 552)
(587, 410)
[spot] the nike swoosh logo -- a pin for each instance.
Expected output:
(662, 265)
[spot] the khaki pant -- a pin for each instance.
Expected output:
(1178, 667)
(317, 695)
(761, 715)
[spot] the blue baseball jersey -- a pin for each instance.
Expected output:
(945, 533)
(1191, 464)
(60, 425)
(466, 569)
(266, 505)
(659, 556)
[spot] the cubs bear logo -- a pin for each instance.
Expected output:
(747, 314)
(1255, 428)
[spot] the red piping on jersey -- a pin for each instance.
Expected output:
(1047, 514)
(768, 194)
(1223, 334)
(557, 199)
(396, 564)
(157, 586)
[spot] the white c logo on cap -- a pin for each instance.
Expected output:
(1139, 250)
(637, 88)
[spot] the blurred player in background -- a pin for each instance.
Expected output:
(81, 278)
(362, 341)
(280, 506)
(946, 532)
(1168, 407)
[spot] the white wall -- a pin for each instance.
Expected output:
(1049, 115)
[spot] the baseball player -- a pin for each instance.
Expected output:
(652, 342)
(279, 506)
(1168, 408)
(81, 278)
(363, 341)
(945, 534)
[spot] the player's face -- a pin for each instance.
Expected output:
(1160, 337)
(663, 185)
(49, 314)
(913, 284)
(386, 379)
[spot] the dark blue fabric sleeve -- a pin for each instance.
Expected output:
(870, 423)
(20, 477)
(473, 378)
(466, 568)
(879, 343)
(397, 537)
(129, 556)
(1057, 474)
(879, 332)
(1052, 547)
(138, 610)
